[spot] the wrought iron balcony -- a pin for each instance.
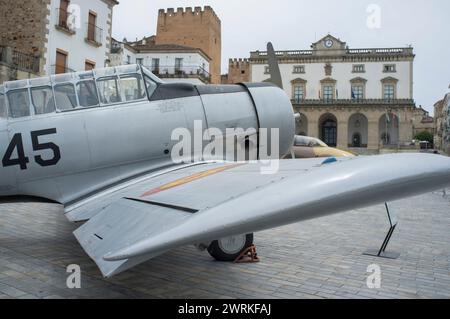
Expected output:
(94, 34)
(64, 21)
(181, 72)
(19, 60)
(59, 69)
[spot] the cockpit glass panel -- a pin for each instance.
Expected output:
(2, 106)
(43, 100)
(87, 93)
(132, 87)
(125, 69)
(19, 103)
(108, 90)
(65, 97)
(150, 85)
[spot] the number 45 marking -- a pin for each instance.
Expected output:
(22, 160)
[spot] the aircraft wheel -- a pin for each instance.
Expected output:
(228, 249)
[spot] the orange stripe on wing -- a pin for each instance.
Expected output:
(188, 179)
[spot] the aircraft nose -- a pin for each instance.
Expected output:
(275, 111)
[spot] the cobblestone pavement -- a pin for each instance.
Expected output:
(321, 258)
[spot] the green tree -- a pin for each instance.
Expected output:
(424, 136)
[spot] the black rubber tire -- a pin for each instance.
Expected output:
(218, 254)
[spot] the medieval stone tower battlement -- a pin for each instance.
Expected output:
(239, 70)
(194, 27)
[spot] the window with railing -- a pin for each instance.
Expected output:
(155, 66)
(178, 65)
(64, 17)
(61, 62)
(94, 33)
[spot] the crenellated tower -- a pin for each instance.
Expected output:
(239, 71)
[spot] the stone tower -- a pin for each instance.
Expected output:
(195, 28)
(239, 70)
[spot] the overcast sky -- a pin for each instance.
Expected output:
(294, 24)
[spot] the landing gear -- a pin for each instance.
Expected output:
(228, 249)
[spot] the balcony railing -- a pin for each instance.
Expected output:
(181, 72)
(331, 102)
(58, 69)
(17, 59)
(94, 34)
(64, 19)
(350, 52)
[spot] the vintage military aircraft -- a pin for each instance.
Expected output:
(99, 143)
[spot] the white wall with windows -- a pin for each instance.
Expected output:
(73, 41)
(343, 73)
(167, 62)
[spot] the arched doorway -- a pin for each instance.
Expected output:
(389, 129)
(358, 130)
(328, 129)
(302, 125)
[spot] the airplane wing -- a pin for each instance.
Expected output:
(202, 202)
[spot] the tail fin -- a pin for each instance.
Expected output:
(274, 68)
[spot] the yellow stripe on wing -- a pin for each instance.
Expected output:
(188, 179)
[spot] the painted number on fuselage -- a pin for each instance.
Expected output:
(22, 160)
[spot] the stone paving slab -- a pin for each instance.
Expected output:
(321, 258)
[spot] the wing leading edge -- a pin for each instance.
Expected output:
(152, 218)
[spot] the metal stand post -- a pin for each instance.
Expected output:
(382, 251)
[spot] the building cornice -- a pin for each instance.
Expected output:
(111, 3)
(350, 55)
(354, 103)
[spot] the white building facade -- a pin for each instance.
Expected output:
(79, 35)
(352, 98)
(173, 63)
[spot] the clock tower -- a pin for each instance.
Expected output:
(329, 45)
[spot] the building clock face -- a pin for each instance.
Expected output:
(328, 43)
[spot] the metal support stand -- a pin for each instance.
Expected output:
(382, 251)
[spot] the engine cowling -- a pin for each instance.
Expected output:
(274, 111)
(260, 106)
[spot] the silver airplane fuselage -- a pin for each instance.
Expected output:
(67, 155)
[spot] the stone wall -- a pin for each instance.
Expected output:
(23, 25)
(195, 28)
